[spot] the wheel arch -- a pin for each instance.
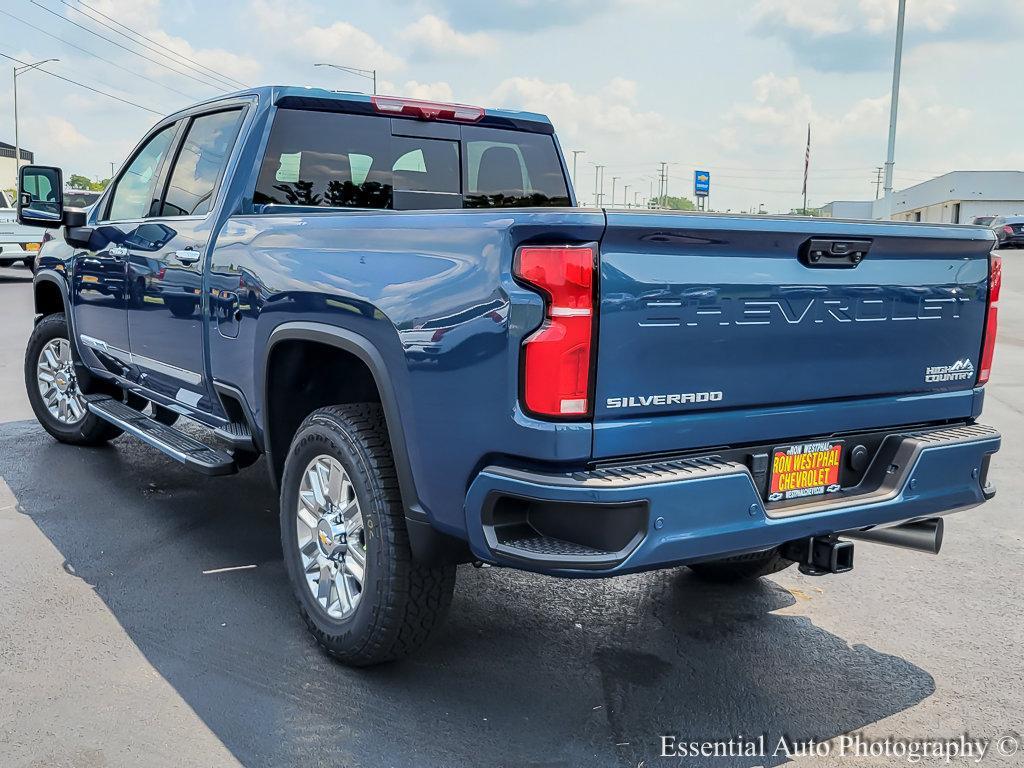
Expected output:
(365, 351)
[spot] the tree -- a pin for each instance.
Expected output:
(77, 181)
(675, 203)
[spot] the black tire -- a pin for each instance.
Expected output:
(402, 601)
(180, 306)
(90, 430)
(6, 262)
(742, 567)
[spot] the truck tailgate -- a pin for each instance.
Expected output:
(731, 315)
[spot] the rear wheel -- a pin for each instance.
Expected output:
(55, 390)
(360, 592)
(6, 262)
(742, 567)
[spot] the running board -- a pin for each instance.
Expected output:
(176, 444)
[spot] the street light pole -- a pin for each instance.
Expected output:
(625, 196)
(17, 139)
(614, 179)
(576, 153)
(893, 106)
(369, 74)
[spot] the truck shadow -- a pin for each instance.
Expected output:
(527, 671)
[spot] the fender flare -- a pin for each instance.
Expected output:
(52, 276)
(365, 350)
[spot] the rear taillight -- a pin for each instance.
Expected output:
(557, 356)
(988, 345)
(427, 110)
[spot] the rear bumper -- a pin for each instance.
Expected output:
(641, 517)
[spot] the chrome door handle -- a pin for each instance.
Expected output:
(187, 256)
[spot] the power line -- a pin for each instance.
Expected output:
(124, 47)
(224, 78)
(96, 55)
(83, 85)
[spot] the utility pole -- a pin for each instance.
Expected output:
(576, 153)
(890, 157)
(17, 141)
(601, 197)
(598, 184)
(614, 179)
(878, 179)
(369, 74)
(625, 196)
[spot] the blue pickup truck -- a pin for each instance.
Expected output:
(442, 359)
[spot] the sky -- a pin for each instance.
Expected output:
(727, 86)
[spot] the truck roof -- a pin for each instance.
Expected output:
(274, 94)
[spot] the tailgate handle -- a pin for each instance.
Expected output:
(820, 252)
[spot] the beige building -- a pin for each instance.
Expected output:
(8, 174)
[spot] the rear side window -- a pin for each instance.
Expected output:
(340, 160)
(200, 163)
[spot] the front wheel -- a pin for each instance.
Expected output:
(346, 548)
(55, 391)
(742, 567)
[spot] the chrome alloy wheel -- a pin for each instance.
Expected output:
(331, 537)
(55, 375)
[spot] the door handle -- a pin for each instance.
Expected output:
(187, 256)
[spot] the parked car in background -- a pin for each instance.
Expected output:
(80, 198)
(17, 242)
(982, 221)
(1009, 231)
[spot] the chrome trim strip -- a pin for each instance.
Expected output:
(189, 377)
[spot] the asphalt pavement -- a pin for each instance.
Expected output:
(119, 647)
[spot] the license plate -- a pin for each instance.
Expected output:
(805, 469)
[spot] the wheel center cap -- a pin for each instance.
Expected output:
(62, 380)
(332, 543)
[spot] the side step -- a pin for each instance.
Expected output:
(237, 435)
(174, 443)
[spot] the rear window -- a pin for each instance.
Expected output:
(339, 160)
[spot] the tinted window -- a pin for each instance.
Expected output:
(329, 159)
(199, 164)
(134, 194)
(506, 169)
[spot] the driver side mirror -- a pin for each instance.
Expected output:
(40, 196)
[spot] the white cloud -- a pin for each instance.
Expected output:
(439, 91)
(432, 36)
(292, 33)
(607, 113)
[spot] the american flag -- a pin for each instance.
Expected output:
(807, 158)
